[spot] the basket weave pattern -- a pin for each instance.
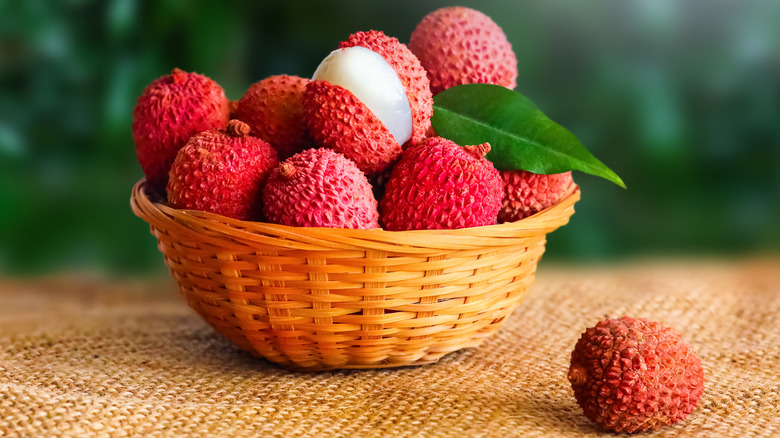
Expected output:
(320, 298)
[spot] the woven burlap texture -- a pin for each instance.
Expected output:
(89, 356)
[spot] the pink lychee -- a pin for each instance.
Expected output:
(527, 193)
(440, 185)
(632, 375)
(319, 188)
(458, 45)
(273, 108)
(170, 110)
(221, 172)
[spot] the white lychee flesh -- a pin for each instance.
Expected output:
(373, 81)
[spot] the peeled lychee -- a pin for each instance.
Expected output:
(440, 185)
(319, 188)
(273, 108)
(631, 375)
(527, 193)
(458, 45)
(170, 110)
(367, 99)
(221, 172)
(413, 76)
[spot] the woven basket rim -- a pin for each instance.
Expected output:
(536, 222)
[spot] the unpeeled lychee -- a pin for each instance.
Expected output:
(336, 116)
(440, 185)
(458, 45)
(319, 188)
(631, 375)
(527, 193)
(273, 108)
(170, 110)
(221, 172)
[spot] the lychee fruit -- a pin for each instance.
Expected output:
(170, 110)
(631, 375)
(221, 172)
(527, 193)
(440, 185)
(412, 75)
(319, 188)
(273, 108)
(458, 45)
(368, 99)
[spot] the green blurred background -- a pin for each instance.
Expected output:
(680, 97)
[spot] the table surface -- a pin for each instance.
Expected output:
(84, 355)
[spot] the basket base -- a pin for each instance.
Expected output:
(270, 344)
(310, 362)
(320, 367)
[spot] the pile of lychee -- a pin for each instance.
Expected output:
(352, 147)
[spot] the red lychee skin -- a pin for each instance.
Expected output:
(527, 193)
(273, 108)
(440, 185)
(170, 110)
(631, 375)
(319, 188)
(338, 120)
(410, 71)
(458, 45)
(221, 172)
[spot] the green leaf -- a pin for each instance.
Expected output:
(520, 135)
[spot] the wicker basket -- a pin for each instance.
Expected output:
(321, 298)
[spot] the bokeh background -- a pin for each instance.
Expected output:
(680, 97)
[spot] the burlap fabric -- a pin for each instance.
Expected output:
(96, 357)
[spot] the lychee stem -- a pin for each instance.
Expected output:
(237, 128)
(479, 150)
(287, 170)
(577, 375)
(178, 75)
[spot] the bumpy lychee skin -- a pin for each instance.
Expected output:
(527, 193)
(319, 188)
(440, 185)
(458, 45)
(273, 108)
(631, 375)
(221, 172)
(338, 120)
(170, 110)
